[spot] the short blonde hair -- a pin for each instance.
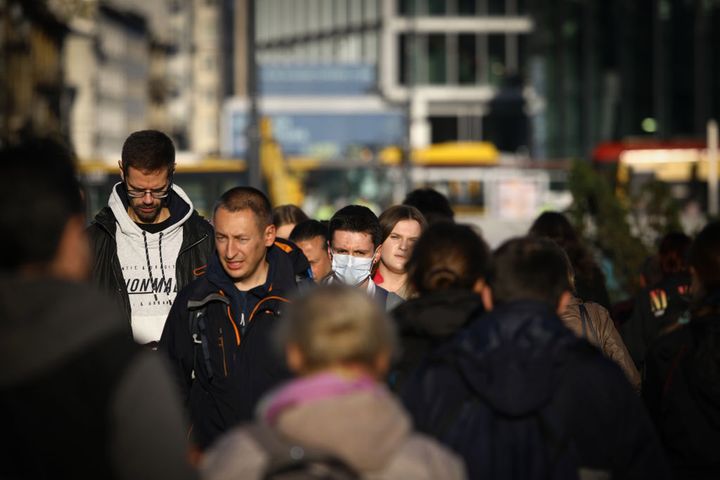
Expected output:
(336, 324)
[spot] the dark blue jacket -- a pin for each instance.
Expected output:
(222, 366)
(517, 388)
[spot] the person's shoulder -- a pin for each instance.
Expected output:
(289, 261)
(198, 226)
(103, 222)
(585, 361)
(236, 455)
(293, 253)
(597, 312)
(423, 457)
(197, 289)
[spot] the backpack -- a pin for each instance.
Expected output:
(290, 461)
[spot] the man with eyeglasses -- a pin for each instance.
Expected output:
(148, 242)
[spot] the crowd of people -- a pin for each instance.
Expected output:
(149, 342)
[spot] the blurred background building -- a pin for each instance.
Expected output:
(364, 97)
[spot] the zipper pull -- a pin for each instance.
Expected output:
(242, 319)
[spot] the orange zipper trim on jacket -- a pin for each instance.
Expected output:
(232, 322)
(272, 297)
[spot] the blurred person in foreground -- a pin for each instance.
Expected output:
(681, 387)
(285, 217)
(218, 333)
(401, 226)
(311, 237)
(149, 242)
(433, 205)
(519, 396)
(339, 343)
(661, 306)
(79, 398)
(354, 235)
(591, 321)
(447, 271)
(589, 278)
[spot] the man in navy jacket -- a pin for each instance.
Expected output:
(219, 331)
(519, 396)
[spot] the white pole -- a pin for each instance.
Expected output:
(712, 133)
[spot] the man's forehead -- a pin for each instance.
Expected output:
(352, 240)
(316, 242)
(136, 174)
(244, 218)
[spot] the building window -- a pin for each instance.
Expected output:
(467, 59)
(496, 59)
(437, 59)
(371, 10)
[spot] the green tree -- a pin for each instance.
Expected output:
(604, 221)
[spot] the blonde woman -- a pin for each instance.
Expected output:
(339, 343)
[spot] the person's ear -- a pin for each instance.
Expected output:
(377, 255)
(563, 302)
(487, 298)
(122, 173)
(294, 358)
(270, 233)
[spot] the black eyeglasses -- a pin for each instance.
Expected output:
(157, 194)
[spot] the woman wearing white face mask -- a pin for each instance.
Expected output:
(355, 237)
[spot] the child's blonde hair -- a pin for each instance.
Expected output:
(336, 324)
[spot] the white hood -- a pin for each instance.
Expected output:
(147, 261)
(128, 227)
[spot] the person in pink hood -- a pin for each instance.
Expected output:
(340, 344)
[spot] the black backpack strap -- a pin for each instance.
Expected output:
(198, 327)
(587, 324)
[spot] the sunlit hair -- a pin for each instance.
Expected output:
(447, 256)
(149, 151)
(288, 215)
(335, 325)
(247, 198)
(391, 216)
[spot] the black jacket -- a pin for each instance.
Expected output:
(656, 309)
(425, 323)
(220, 342)
(80, 399)
(197, 247)
(682, 392)
(517, 389)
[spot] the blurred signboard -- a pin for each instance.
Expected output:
(317, 79)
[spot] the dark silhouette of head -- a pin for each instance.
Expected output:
(447, 256)
(529, 268)
(39, 194)
(432, 204)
